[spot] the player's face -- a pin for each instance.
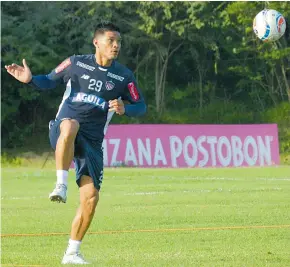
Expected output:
(109, 44)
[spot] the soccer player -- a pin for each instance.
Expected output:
(96, 86)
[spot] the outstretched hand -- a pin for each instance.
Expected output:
(22, 74)
(117, 106)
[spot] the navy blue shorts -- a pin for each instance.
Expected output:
(88, 155)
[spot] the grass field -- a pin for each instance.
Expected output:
(153, 217)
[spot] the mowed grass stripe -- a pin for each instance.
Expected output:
(229, 217)
(21, 265)
(159, 230)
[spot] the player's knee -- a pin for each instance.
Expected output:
(69, 129)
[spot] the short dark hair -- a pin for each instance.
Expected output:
(106, 27)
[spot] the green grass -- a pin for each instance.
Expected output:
(137, 199)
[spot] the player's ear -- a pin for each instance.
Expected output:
(95, 42)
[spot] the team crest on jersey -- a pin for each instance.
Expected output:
(109, 85)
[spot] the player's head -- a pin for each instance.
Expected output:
(107, 40)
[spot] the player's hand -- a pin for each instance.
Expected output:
(22, 74)
(117, 106)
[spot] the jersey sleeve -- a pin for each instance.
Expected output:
(60, 74)
(133, 94)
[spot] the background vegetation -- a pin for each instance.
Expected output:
(196, 62)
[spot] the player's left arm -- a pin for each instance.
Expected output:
(132, 103)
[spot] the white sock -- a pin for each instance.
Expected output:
(62, 177)
(73, 246)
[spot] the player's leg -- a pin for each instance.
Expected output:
(89, 197)
(63, 135)
(64, 152)
(89, 174)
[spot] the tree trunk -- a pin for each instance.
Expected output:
(160, 76)
(157, 81)
(200, 91)
(162, 100)
(287, 86)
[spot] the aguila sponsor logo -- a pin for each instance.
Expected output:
(90, 99)
(133, 91)
(63, 65)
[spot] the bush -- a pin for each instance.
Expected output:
(280, 115)
(10, 160)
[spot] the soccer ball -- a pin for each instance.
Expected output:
(269, 25)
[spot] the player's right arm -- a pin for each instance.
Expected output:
(42, 82)
(22, 74)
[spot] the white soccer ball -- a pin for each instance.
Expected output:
(269, 25)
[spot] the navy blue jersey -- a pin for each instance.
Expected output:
(89, 87)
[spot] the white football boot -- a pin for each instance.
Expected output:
(59, 193)
(75, 258)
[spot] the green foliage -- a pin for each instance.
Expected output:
(281, 116)
(196, 62)
(7, 160)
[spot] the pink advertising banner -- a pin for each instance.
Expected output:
(191, 145)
